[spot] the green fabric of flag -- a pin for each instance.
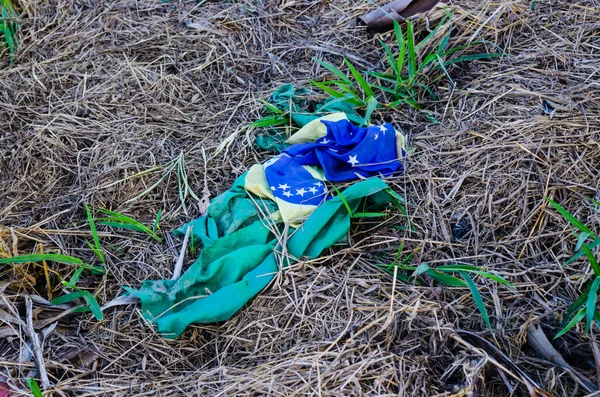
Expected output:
(242, 254)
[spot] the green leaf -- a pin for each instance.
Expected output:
(477, 298)
(444, 44)
(341, 196)
(390, 57)
(98, 247)
(445, 279)
(333, 70)
(271, 108)
(335, 94)
(578, 317)
(572, 220)
(428, 60)
(371, 105)
(592, 259)
(384, 76)
(401, 48)
(472, 57)
(429, 91)
(579, 302)
(326, 106)
(591, 304)
(434, 31)
(368, 214)
(412, 55)
(422, 268)
(360, 80)
(591, 246)
(120, 225)
(270, 121)
(155, 225)
(81, 309)
(93, 304)
(581, 240)
(34, 387)
(474, 270)
(43, 257)
(67, 298)
(75, 278)
(384, 89)
(398, 201)
(441, 62)
(398, 253)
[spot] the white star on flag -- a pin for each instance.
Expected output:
(353, 160)
(382, 129)
(325, 141)
(313, 190)
(273, 188)
(300, 192)
(318, 183)
(376, 136)
(284, 187)
(287, 194)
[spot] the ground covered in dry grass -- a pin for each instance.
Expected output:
(101, 91)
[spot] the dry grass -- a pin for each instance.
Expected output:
(103, 90)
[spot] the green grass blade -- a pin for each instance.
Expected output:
(441, 62)
(81, 309)
(575, 306)
(337, 72)
(128, 226)
(93, 304)
(427, 61)
(477, 298)
(324, 107)
(401, 49)
(390, 57)
(477, 271)
(341, 196)
(271, 108)
(443, 44)
(572, 220)
(384, 89)
(591, 304)
(592, 259)
(270, 121)
(591, 246)
(360, 80)
(43, 257)
(412, 54)
(472, 57)
(184, 178)
(34, 387)
(98, 250)
(445, 279)
(578, 317)
(67, 298)
(384, 76)
(433, 32)
(581, 240)
(368, 214)
(334, 93)
(398, 201)
(398, 253)
(155, 225)
(422, 268)
(75, 278)
(371, 105)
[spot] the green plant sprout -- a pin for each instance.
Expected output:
(584, 306)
